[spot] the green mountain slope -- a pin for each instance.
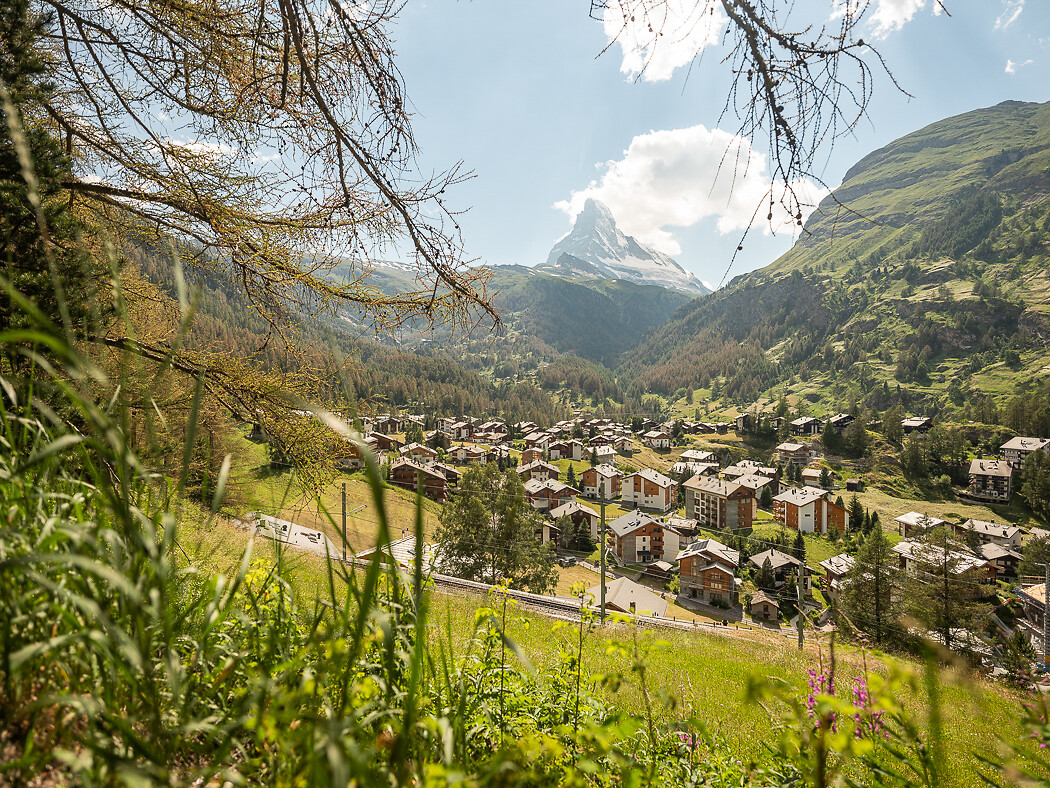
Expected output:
(928, 269)
(598, 321)
(545, 316)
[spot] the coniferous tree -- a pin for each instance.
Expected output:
(856, 513)
(1035, 482)
(40, 239)
(789, 597)
(570, 476)
(870, 595)
(765, 498)
(765, 579)
(873, 522)
(799, 547)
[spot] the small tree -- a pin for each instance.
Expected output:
(765, 580)
(825, 478)
(873, 523)
(1036, 553)
(856, 438)
(913, 460)
(789, 597)
(830, 439)
(765, 498)
(856, 513)
(892, 429)
(1035, 482)
(570, 476)
(594, 457)
(798, 549)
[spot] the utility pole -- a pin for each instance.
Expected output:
(798, 620)
(603, 556)
(1046, 611)
(344, 522)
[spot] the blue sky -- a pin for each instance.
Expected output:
(519, 93)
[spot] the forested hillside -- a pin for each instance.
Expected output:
(347, 369)
(926, 271)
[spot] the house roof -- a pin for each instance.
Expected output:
(1025, 444)
(572, 507)
(762, 598)
(802, 421)
(993, 552)
(800, 496)
(621, 592)
(537, 465)
(916, 519)
(990, 468)
(789, 446)
(403, 552)
(1036, 593)
(1004, 530)
(839, 564)
(931, 554)
(609, 471)
(534, 486)
(712, 485)
(753, 481)
(776, 558)
(695, 455)
(632, 521)
(702, 468)
(429, 469)
(915, 421)
(653, 476)
(711, 548)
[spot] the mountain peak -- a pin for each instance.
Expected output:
(596, 240)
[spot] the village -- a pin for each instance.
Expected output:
(695, 531)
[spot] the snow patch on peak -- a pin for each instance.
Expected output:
(595, 239)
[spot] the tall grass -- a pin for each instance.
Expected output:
(125, 662)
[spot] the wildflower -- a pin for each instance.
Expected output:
(868, 719)
(820, 683)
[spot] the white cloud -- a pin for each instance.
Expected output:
(1011, 67)
(1011, 10)
(890, 15)
(655, 39)
(679, 177)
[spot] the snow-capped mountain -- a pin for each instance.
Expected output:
(596, 249)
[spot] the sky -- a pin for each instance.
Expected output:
(524, 95)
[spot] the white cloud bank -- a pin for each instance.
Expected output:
(1011, 11)
(658, 39)
(679, 177)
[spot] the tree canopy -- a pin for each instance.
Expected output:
(489, 532)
